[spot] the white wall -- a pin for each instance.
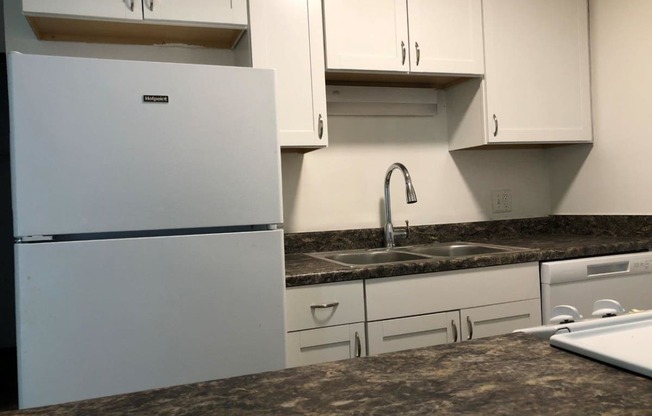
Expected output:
(19, 37)
(615, 175)
(341, 187)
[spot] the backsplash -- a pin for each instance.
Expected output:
(595, 225)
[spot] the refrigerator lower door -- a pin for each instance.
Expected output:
(103, 317)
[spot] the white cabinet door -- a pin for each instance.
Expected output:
(486, 321)
(537, 71)
(197, 11)
(446, 36)
(325, 344)
(366, 34)
(287, 36)
(422, 36)
(117, 9)
(413, 332)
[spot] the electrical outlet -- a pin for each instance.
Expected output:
(501, 201)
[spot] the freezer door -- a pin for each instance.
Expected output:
(104, 145)
(113, 316)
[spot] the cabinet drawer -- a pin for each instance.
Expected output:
(395, 297)
(324, 305)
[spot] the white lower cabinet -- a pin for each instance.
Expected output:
(321, 345)
(486, 321)
(324, 323)
(413, 332)
(455, 326)
(406, 312)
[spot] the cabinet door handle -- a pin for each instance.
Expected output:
(454, 330)
(320, 127)
(416, 46)
(130, 4)
(403, 53)
(358, 346)
(495, 125)
(324, 305)
(470, 323)
(151, 5)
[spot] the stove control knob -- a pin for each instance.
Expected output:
(564, 314)
(605, 308)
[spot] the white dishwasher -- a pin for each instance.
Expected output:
(625, 278)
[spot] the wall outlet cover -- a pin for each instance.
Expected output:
(501, 201)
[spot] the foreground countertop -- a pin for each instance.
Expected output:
(302, 269)
(510, 374)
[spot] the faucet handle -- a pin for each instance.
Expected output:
(407, 229)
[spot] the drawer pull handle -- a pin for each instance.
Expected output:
(454, 330)
(358, 346)
(470, 322)
(324, 305)
(495, 125)
(320, 127)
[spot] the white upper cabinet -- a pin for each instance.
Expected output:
(286, 35)
(536, 87)
(446, 36)
(537, 70)
(122, 9)
(212, 23)
(199, 11)
(421, 36)
(366, 34)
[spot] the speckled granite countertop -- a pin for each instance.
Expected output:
(512, 374)
(550, 238)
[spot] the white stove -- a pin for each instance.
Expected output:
(581, 316)
(622, 341)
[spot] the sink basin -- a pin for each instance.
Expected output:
(359, 258)
(369, 257)
(459, 249)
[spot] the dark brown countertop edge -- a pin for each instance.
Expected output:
(508, 374)
(546, 238)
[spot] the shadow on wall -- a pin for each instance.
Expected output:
(565, 164)
(291, 166)
(522, 171)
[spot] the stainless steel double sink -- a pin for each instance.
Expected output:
(361, 258)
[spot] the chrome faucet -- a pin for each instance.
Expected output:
(411, 197)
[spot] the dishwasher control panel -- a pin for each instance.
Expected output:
(642, 265)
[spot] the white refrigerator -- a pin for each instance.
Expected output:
(146, 201)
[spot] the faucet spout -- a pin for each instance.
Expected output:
(411, 198)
